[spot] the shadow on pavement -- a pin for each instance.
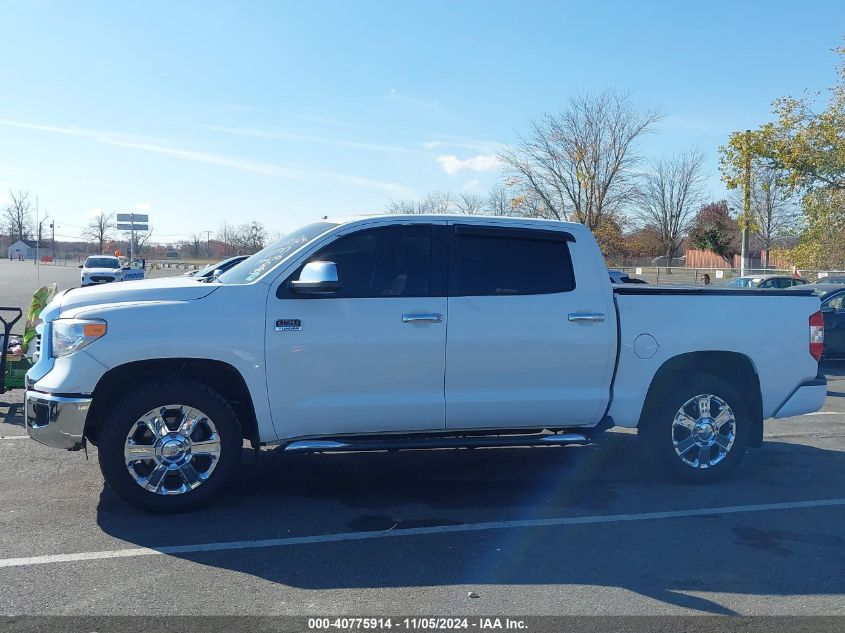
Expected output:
(833, 369)
(759, 553)
(13, 413)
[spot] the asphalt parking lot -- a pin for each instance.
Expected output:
(529, 531)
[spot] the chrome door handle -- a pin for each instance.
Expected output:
(422, 318)
(591, 317)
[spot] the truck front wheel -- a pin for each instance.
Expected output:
(170, 445)
(696, 427)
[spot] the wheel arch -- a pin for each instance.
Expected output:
(218, 375)
(736, 368)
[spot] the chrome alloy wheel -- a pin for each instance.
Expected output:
(172, 449)
(703, 431)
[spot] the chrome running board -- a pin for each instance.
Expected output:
(388, 443)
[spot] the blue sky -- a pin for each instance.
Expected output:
(201, 112)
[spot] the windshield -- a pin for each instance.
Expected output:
(256, 265)
(102, 262)
(202, 272)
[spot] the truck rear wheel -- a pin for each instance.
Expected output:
(170, 446)
(696, 427)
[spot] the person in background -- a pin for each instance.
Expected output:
(706, 279)
(796, 274)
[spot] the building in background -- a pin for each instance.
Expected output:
(22, 248)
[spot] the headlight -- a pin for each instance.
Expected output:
(70, 335)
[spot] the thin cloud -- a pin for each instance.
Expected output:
(157, 147)
(460, 142)
(483, 162)
(308, 138)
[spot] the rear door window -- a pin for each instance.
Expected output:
(490, 262)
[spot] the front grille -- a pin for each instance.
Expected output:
(101, 278)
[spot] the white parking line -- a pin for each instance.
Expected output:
(824, 413)
(14, 437)
(421, 531)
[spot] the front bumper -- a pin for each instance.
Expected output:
(807, 398)
(56, 421)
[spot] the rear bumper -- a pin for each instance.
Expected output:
(56, 421)
(808, 397)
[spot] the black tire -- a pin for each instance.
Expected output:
(123, 416)
(659, 436)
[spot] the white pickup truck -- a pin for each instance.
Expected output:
(408, 332)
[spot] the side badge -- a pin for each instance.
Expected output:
(288, 325)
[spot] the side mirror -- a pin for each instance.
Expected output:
(316, 278)
(82, 265)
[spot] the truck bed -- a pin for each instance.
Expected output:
(659, 323)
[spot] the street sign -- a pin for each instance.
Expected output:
(720, 274)
(133, 217)
(133, 222)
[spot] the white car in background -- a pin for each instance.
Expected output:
(100, 269)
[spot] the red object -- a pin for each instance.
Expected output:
(817, 335)
(46, 259)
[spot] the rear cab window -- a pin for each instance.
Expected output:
(490, 261)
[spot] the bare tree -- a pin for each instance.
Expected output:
(469, 204)
(227, 234)
(404, 207)
(773, 206)
(195, 242)
(18, 215)
(251, 237)
(579, 162)
(435, 202)
(439, 202)
(528, 204)
(669, 196)
(500, 202)
(142, 241)
(99, 229)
